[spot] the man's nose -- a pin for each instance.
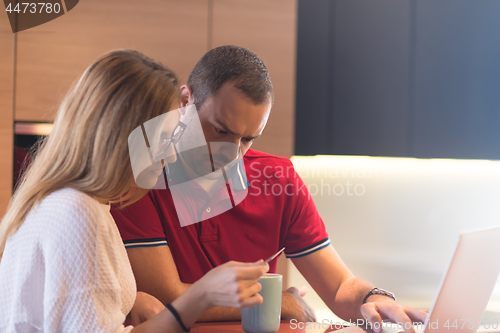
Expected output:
(230, 149)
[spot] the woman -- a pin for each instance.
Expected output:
(63, 266)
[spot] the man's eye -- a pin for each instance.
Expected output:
(220, 131)
(247, 140)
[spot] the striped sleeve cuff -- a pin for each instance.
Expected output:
(149, 242)
(310, 249)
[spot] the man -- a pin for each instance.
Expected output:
(233, 94)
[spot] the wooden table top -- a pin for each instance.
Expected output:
(235, 326)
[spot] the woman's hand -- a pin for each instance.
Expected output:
(145, 307)
(233, 284)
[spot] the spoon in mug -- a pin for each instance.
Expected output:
(273, 256)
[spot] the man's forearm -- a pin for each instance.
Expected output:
(220, 313)
(290, 309)
(346, 303)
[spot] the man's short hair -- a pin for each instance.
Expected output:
(231, 63)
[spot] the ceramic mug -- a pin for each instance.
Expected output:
(266, 317)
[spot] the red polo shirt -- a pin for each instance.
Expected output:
(277, 212)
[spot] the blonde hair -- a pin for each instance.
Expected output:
(88, 147)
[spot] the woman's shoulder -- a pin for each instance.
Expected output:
(68, 201)
(65, 224)
(67, 209)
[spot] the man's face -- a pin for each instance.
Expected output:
(229, 120)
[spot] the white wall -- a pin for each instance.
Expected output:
(395, 221)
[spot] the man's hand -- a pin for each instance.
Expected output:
(343, 292)
(381, 307)
(145, 308)
(295, 307)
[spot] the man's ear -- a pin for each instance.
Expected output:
(186, 96)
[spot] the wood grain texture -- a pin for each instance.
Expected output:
(6, 111)
(268, 28)
(53, 55)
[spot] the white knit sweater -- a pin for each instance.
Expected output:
(66, 270)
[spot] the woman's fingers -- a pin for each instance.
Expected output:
(252, 301)
(250, 272)
(243, 264)
(235, 284)
(247, 285)
(250, 291)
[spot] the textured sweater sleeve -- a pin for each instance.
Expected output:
(84, 277)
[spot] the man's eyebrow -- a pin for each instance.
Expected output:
(226, 129)
(253, 137)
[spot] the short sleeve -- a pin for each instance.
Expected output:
(89, 285)
(140, 224)
(86, 311)
(306, 233)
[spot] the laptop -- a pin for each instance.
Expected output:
(465, 288)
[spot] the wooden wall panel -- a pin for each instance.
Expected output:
(269, 29)
(6, 111)
(53, 55)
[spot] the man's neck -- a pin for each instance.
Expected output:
(187, 169)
